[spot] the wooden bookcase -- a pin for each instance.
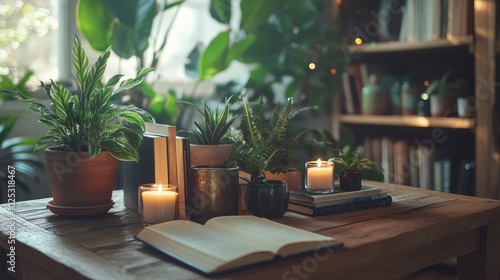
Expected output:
(475, 55)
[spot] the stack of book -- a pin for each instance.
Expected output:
(337, 202)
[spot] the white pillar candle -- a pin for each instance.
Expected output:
(159, 205)
(320, 176)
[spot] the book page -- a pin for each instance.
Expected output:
(204, 248)
(282, 239)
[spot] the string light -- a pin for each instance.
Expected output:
(312, 66)
(358, 41)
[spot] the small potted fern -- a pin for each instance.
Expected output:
(88, 135)
(263, 197)
(352, 163)
(273, 135)
(267, 149)
(210, 143)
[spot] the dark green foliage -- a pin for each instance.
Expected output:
(214, 126)
(353, 160)
(268, 144)
(17, 152)
(88, 120)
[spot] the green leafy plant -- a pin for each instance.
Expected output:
(268, 144)
(213, 130)
(353, 160)
(7, 82)
(88, 120)
(17, 152)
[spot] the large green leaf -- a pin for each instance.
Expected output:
(238, 48)
(80, 63)
(94, 21)
(214, 58)
(221, 10)
(134, 24)
(256, 12)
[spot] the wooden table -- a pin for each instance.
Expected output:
(419, 229)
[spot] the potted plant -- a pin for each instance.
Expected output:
(352, 163)
(263, 198)
(274, 136)
(267, 149)
(210, 143)
(443, 96)
(86, 140)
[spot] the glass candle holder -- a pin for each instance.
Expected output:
(158, 203)
(319, 177)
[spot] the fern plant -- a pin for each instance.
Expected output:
(269, 144)
(353, 161)
(88, 120)
(213, 130)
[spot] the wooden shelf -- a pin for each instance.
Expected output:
(411, 121)
(413, 46)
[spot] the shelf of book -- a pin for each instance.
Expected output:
(409, 121)
(396, 46)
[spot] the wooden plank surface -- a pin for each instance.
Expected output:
(417, 223)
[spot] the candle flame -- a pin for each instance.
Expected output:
(319, 162)
(159, 188)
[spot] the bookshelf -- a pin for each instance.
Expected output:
(384, 47)
(471, 141)
(409, 121)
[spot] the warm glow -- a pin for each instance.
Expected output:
(333, 71)
(424, 96)
(312, 66)
(159, 188)
(358, 41)
(319, 162)
(426, 83)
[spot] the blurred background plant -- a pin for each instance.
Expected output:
(19, 22)
(18, 153)
(282, 48)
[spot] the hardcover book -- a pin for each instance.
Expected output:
(229, 242)
(339, 201)
(336, 195)
(335, 209)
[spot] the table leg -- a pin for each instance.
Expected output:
(484, 263)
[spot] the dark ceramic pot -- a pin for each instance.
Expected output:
(350, 180)
(268, 200)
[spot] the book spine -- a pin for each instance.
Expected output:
(334, 209)
(339, 202)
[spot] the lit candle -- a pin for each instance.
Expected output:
(159, 205)
(320, 175)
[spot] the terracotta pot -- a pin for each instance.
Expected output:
(78, 181)
(293, 179)
(210, 154)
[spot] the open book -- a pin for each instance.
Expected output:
(229, 242)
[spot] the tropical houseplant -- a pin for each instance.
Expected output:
(266, 148)
(18, 164)
(274, 139)
(88, 134)
(210, 143)
(351, 164)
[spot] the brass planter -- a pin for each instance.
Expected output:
(213, 190)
